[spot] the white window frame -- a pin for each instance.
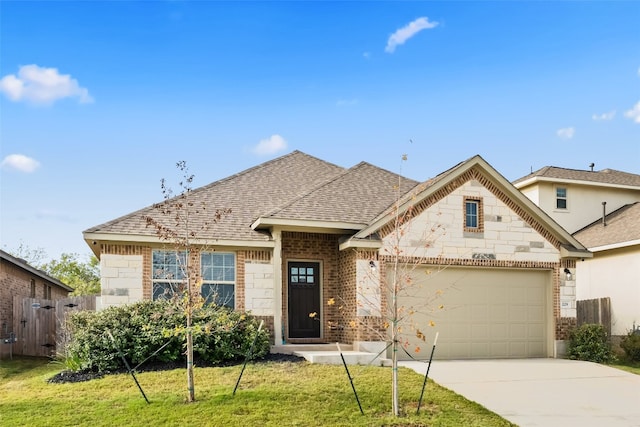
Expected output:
(565, 198)
(170, 279)
(223, 277)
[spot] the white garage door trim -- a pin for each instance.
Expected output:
(488, 313)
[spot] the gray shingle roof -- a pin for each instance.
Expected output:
(292, 187)
(249, 194)
(623, 225)
(357, 196)
(605, 176)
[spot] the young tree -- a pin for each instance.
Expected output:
(402, 272)
(176, 226)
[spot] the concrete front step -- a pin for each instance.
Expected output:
(350, 357)
(328, 354)
(293, 348)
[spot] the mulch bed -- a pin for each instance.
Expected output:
(87, 375)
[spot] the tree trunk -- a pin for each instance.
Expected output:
(190, 387)
(394, 370)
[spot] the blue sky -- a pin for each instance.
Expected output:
(99, 100)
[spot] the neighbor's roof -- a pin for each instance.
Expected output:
(20, 263)
(622, 229)
(605, 176)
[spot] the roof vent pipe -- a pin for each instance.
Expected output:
(591, 166)
(604, 213)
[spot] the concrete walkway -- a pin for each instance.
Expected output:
(543, 392)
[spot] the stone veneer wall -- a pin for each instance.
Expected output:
(120, 279)
(259, 290)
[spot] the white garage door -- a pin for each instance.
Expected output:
(488, 313)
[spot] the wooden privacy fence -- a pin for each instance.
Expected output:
(596, 311)
(37, 323)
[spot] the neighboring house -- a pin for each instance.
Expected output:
(614, 271)
(17, 278)
(579, 200)
(306, 236)
(574, 198)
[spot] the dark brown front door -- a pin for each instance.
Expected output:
(304, 299)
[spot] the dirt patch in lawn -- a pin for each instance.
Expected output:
(87, 375)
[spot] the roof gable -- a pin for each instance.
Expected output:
(475, 168)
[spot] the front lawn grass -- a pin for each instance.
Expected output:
(270, 394)
(626, 365)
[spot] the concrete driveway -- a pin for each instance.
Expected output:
(543, 392)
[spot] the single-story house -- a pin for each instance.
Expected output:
(614, 270)
(313, 249)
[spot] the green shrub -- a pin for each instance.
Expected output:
(589, 342)
(631, 345)
(141, 329)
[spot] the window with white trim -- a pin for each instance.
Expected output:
(561, 198)
(218, 278)
(473, 215)
(168, 273)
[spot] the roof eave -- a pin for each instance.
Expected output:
(568, 251)
(532, 181)
(92, 239)
(618, 245)
(312, 226)
(355, 243)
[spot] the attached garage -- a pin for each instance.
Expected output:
(488, 313)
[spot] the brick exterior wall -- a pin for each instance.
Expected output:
(314, 247)
(14, 281)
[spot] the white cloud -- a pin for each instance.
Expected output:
(566, 133)
(634, 113)
(43, 86)
(20, 163)
(366, 55)
(271, 145)
(604, 116)
(405, 33)
(345, 102)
